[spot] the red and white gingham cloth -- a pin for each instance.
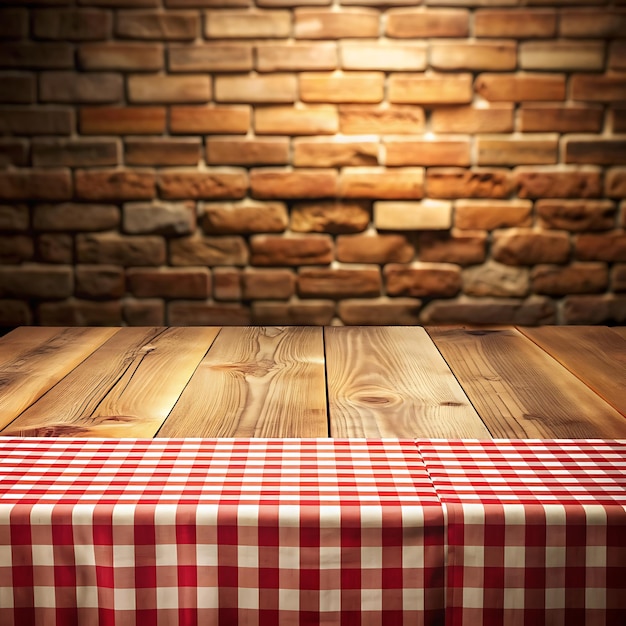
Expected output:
(536, 530)
(177, 532)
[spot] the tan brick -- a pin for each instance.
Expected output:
(430, 88)
(157, 25)
(315, 153)
(14, 217)
(422, 280)
(247, 217)
(39, 121)
(515, 23)
(46, 184)
(496, 280)
(395, 57)
(462, 248)
(102, 87)
(268, 284)
(192, 184)
(211, 251)
(110, 184)
(505, 150)
(520, 87)
(241, 24)
(169, 283)
(120, 56)
(588, 309)
(17, 88)
(36, 281)
(96, 282)
(618, 278)
(561, 55)
(598, 88)
(276, 57)
(492, 214)
(158, 151)
(275, 183)
(13, 23)
(289, 3)
(326, 24)
(16, 248)
(406, 183)
(26, 55)
(558, 183)
(210, 120)
(144, 312)
(122, 120)
(283, 120)
(618, 119)
(211, 57)
(576, 215)
(337, 284)
(424, 215)
(227, 284)
(421, 24)
(595, 151)
(115, 249)
(295, 313)
(13, 152)
(271, 89)
(239, 151)
(69, 216)
(617, 55)
(183, 313)
(497, 118)
(71, 24)
(519, 246)
(376, 312)
(455, 182)
(564, 119)
(169, 89)
(330, 216)
(344, 87)
(359, 119)
(372, 248)
(74, 152)
(80, 313)
(481, 55)
(609, 22)
(437, 151)
(170, 219)
(294, 250)
(575, 278)
(610, 247)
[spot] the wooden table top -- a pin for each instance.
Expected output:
(377, 381)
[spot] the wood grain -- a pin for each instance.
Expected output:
(126, 388)
(256, 382)
(33, 360)
(592, 353)
(620, 330)
(392, 382)
(521, 391)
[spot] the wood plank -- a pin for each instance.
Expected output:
(256, 382)
(392, 382)
(620, 330)
(592, 353)
(126, 388)
(34, 359)
(521, 391)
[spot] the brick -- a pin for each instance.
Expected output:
(563, 119)
(247, 217)
(497, 118)
(395, 57)
(496, 280)
(481, 55)
(430, 88)
(598, 88)
(14, 217)
(120, 250)
(210, 120)
(55, 248)
(241, 24)
(40, 121)
(14, 313)
(617, 55)
(438, 151)
(298, 313)
(26, 55)
(140, 4)
(192, 184)
(588, 309)
(293, 250)
(70, 216)
(170, 219)
(424, 215)
(156, 25)
(36, 281)
(311, 120)
(558, 183)
(13, 152)
(141, 57)
(618, 278)
(47, 184)
(169, 89)
(576, 215)
(210, 251)
(276, 57)
(169, 283)
(71, 24)
(269, 183)
(272, 89)
(344, 87)
(183, 313)
(110, 184)
(515, 23)
(122, 120)
(422, 280)
(575, 278)
(239, 151)
(421, 24)
(17, 88)
(291, 3)
(332, 216)
(618, 119)
(595, 151)
(561, 55)
(520, 87)
(492, 214)
(227, 283)
(337, 284)
(615, 183)
(327, 24)
(406, 183)
(210, 58)
(72, 87)
(610, 247)
(505, 150)
(80, 313)
(13, 23)
(462, 248)
(95, 282)
(206, 3)
(268, 284)
(166, 151)
(74, 152)
(315, 153)
(520, 246)
(16, 248)
(396, 312)
(358, 119)
(455, 182)
(607, 23)
(371, 248)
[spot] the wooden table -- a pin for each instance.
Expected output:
(373, 382)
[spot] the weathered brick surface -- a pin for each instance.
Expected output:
(492, 214)
(496, 280)
(521, 87)
(16, 248)
(497, 118)
(416, 23)
(36, 55)
(209, 120)
(595, 151)
(36, 281)
(115, 249)
(460, 247)
(144, 312)
(241, 24)
(615, 182)
(330, 216)
(246, 217)
(315, 153)
(558, 183)
(210, 251)
(452, 182)
(422, 280)
(109, 184)
(75, 152)
(444, 151)
(343, 87)
(486, 56)
(305, 312)
(378, 249)
(121, 56)
(68, 216)
(170, 219)
(339, 283)
(273, 184)
(102, 88)
(71, 24)
(237, 151)
(325, 24)
(389, 184)
(391, 120)
(562, 55)
(213, 57)
(295, 250)
(424, 215)
(618, 278)
(268, 284)
(35, 184)
(13, 152)
(564, 119)
(156, 25)
(430, 88)
(282, 120)
(529, 247)
(378, 312)
(587, 23)
(278, 57)
(594, 247)
(575, 278)
(183, 184)
(501, 150)
(39, 121)
(183, 151)
(147, 120)
(516, 23)
(14, 217)
(599, 88)
(577, 215)
(603, 309)
(227, 284)
(55, 248)
(169, 89)
(96, 282)
(169, 283)
(270, 88)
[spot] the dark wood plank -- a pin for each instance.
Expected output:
(256, 382)
(392, 382)
(521, 391)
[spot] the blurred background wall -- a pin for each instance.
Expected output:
(356, 161)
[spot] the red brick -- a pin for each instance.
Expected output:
(74, 152)
(492, 214)
(183, 313)
(114, 184)
(561, 55)
(330, 216)
(210, 120)
(481, 55)
(394, 57)
(520, 87)
(242, 24)
(99, 282)
(39, 121)
(268, 284)
(247, 217)
(379, 249)
(17, 88)
(276, 57)
(618, 119)
(102, 87)
(595, 151)
(343, 87)
(515, 23)
(425, 215)
(188, 184)
(272, 89)
(576, 278)
(71, 24)
(156, 25)
(430, 88)
(496, 280)
(576, 215)
(13, 152)
(497, 118)
(563, 119)
(227, 283)
(520, 246)
(13, 23)
(169, 89)
(69, 216)
(14, 217)
(607, 23)
(587, 309)
(238, 151)
(376, 312)
(139, 4)
(617, 55)
(210, 251)
(610, 247)
(36, 281)
(122, 250)
(339, 283)
(422, 280)
(558, 183)
(615, 183)
(270, 183)
(122, 120)
(293, 313)
(210, 57)
(428, 152)
(169, 283)
(359, 119)
(16, 249)
(282, 120)
(454, 182)
(55, 248)
(462, 248)
(157, 151)
(80, 313)
(121, 56)
(598, 88)
(421, 24)
(326, 24)
(405, 183)
(48, 184)
(206, 3)
(26, 55)
(170, 219)
(505, 150)
(315, 153)
(294, 250)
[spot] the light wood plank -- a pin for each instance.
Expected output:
(521, 391)
(592, 353)
(392, 382)
(620, 330)
(34, 359)
(256, 382)
(124, 389)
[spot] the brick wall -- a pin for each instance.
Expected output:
(360, 161)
